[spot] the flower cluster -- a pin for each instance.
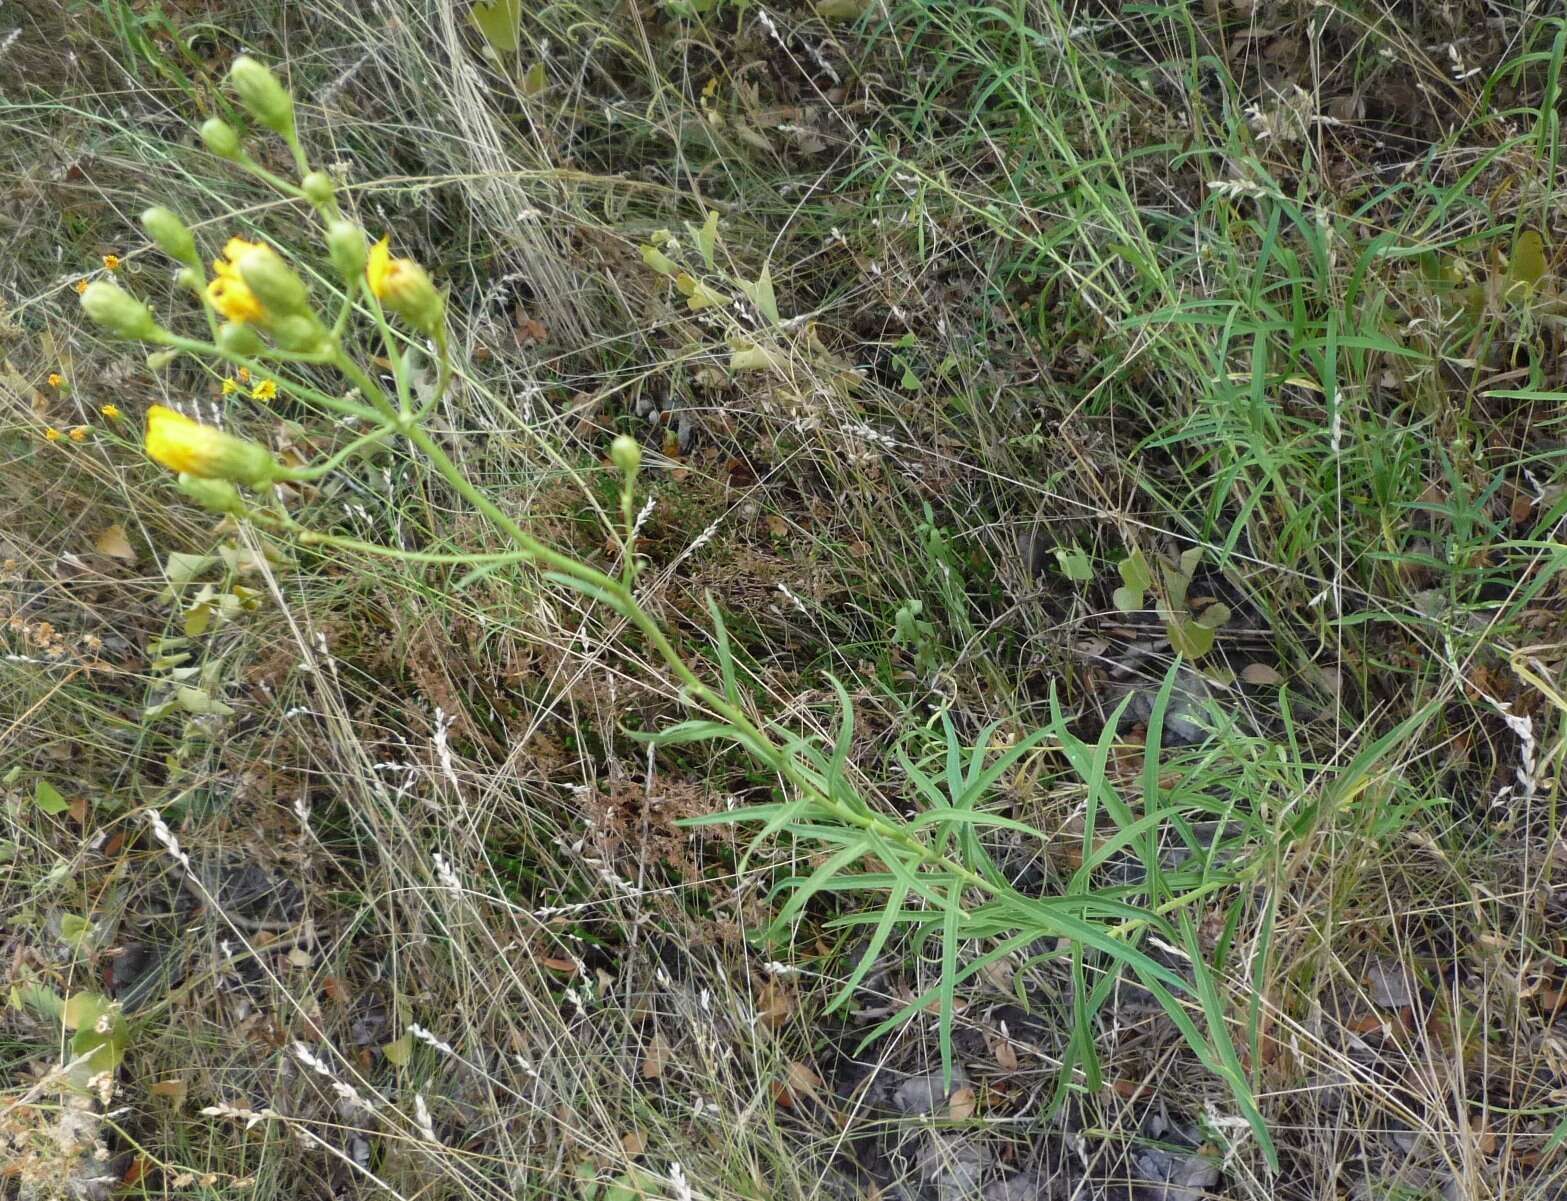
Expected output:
(260, 308)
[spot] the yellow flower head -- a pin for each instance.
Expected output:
(81, 286)
(265, 390)
(204, 451)
(111, 411)
(230, 387)
(228, 292)
(244, 375)
(79, 433)
(51, 434)
(112, 262)
(403, 286)
(56, 379)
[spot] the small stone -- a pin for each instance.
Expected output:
(1388, 983)
(1175, 1176)
(1020, 1186)
(927, 1094)
(954, 1166)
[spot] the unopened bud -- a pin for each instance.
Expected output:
(219, 496)
(345, 242)
(239, 341)
(403, 286)
(263, 96)
(220, 138)
(273, 281)
(189, 277)
(626, 454)
(298, 332)
(159, 359)
(318, 187)
(112, 307)
(205, 451)
(172, 235)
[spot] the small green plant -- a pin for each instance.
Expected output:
(927, 877)
(1189, 634)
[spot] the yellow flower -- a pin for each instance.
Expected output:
(79, 433)
(112, 262)
(230, 387)
(228, 292)
(244, 375)
(403, 286)
(265, 390)
(81, 286)
(51, 434)
(56, 379)
(204, 451)
(111, 411)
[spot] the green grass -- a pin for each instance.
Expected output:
(1045, 277)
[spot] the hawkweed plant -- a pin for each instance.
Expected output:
(928, 877)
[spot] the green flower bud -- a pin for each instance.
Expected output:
(171, 234)
(220, 496)
(273, 281)
(239, 341)
(403, 286)
(189, 277)
(318, 187)
(626, 454)
(298, 332)
(345, 242)
(263, 96)
(220, 138)
(112, 307)
(159, 359)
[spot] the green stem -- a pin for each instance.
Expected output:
(315, 472)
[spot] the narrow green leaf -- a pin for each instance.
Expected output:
(726, 659)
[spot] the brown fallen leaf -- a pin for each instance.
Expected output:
(658, 1053)
(961, 1104)
(1261, 673)
(1006, 1057)
(112, 541)
(633, 1142)
(774, 1004)
(801, 1082)
(172, 1091)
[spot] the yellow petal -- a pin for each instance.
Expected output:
(379, 266)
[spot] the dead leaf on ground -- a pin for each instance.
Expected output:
(658, 1053)
(774, 1004)
(1006, 1057)
(633, 1142)
(113, 542)
(961, 1104)
(1261, 673)
(172, 1091)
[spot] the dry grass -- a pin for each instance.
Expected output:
(1102, 277)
